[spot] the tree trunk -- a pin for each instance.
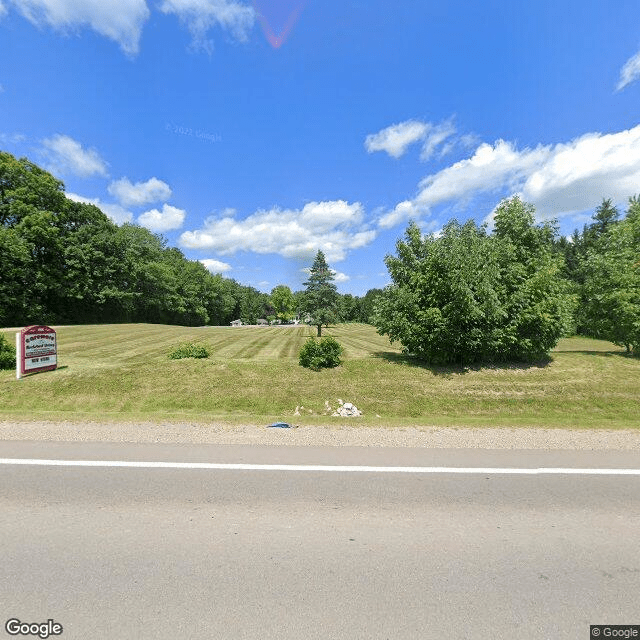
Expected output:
(319, 330)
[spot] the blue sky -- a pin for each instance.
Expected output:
(252, 134)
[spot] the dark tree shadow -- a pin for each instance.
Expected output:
(458, 369)
(610, 353)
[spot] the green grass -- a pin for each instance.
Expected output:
(122, 372)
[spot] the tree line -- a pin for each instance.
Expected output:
(464, 295)
(65, 262)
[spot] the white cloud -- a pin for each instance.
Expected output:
(65, 155)
(119, 20)
(436, 135)
(3, 9)
(140, 193)
(166, 220)
(403, 211)
(202, 15)
(397, 138)
(557, 179)
(580, 173)
(118, 214)
(490, 167)
(333, 227)
(339, 277)
(215, 266)
(630, 72)
(12, 138)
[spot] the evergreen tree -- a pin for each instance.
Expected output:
(576, 254)
(605, 216)
(321, 295)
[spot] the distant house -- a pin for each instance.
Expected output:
(261, 322)
(236, 323)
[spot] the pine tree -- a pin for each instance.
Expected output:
(321, 295)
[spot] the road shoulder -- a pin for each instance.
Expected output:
(343, 435)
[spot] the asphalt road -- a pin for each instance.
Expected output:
(120, 552)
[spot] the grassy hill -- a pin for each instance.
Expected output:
(122, 372)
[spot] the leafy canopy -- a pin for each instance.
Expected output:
(611, 292)
(467, 296)
(7, 354)
(283, 302)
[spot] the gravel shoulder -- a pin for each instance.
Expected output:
(338, 435)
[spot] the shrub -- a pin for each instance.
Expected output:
(189, 350)
(316, 354)
(7, 354)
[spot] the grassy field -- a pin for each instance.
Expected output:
(122, 372)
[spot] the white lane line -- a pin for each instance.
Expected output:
(314, 467)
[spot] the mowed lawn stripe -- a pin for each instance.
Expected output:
(287, 342)
(123, 343)
(123, 371)
(359, 341)
(292, 342)
(249, 343)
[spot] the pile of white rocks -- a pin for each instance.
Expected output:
(344, 410)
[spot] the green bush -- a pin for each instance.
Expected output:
(189, 350)
(316, 354)
(7, 354)
(468, 296)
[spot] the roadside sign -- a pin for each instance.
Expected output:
(36, 350)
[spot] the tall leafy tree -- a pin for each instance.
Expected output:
(321, 295)
(367, 305)
(26, 189)
(611, 299)
(467, 296)
(538, 303)
(15, 274)
(576, 252)
(444, 303)
(282, 300)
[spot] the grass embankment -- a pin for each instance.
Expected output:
(122, 372)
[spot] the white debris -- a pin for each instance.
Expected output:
(346, 410)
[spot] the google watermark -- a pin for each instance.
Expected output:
(614, 631)
(15, 627)
(194, 133)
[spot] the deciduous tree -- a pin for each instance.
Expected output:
(283, 302)
(467, 296)
(612, 282)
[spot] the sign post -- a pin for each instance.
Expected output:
(36, 350)
(18, 356)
